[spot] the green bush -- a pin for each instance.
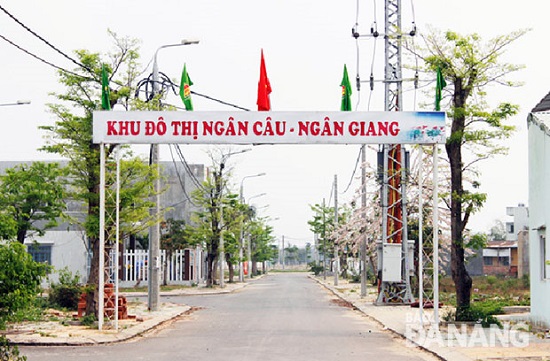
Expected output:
(20, 278)
(9, 352)
(474, 314)
(316, 269)
(67, 292)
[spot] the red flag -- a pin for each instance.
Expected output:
(264, 88)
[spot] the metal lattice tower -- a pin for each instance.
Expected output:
(394, 243)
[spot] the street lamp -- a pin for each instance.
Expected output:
(154, 231)
(18, 102)
(221, 254)
(249, 248)
(241, 199)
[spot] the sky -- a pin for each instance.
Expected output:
(305, 44)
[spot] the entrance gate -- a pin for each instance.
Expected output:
(346, 127)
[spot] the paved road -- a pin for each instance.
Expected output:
(280, 317)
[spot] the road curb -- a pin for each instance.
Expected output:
(376, 320)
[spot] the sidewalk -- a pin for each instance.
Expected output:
(451, 342)
(58, 333)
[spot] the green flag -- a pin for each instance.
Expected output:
(439, 85)
(346, 91)
(105, 97)
(185, 89)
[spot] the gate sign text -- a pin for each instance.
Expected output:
(238, 127)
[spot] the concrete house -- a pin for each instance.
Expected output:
(66, 244)
(509, 256)
(539, 215)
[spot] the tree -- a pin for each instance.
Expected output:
(498, 231)
(33, 195)
(322, 225)
(71, 138)
(20, 278)
(469, 66)
(262, 247)
(174, 236)
(8, 225)
(208, 223)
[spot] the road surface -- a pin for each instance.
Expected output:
(283, 316)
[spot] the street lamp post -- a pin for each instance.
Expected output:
(249, 248)
(153, 280)
(221, 254)
(18, 102)
(241, 199)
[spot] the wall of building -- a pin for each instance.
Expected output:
(539, 217)
(68, 243)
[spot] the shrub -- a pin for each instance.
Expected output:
(67, 292)
(316, 269)
(474, 314)
(9, 352)
(19, 279)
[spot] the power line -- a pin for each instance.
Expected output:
(41, 59)
(181, 181)
(354, 170)
(44, 40)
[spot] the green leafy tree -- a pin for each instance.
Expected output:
(322, 224)
(262, 244)
(20, 278)
(469, 65)
(175, 236)
(8, 225)
(71, 138)
(33, 195)
(207, 227)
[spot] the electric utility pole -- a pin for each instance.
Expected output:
(394, 254)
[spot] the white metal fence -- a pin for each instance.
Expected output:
(182, 267)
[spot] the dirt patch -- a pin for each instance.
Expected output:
(342, 303)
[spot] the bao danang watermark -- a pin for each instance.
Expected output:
(426, 334)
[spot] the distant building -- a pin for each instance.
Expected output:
(538, 123)
(520, 221)
(501, 258)
(66, 245)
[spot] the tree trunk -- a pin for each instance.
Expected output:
(93, 279)
(231, 267)
(461, 278)
(210, 258)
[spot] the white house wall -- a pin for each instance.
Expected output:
(539, 215)
(68, 250)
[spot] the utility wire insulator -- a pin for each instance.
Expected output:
(374, 30)
(416, 80)
(358, 82)
(371, 81)
(354, 32)
(413, 31)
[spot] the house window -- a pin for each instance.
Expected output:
(504, 261)
(488, 261)
(510, 227)
(40, 252)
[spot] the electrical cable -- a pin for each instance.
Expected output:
(181, 181)
(44, 40)
(354, 170)
(41, 59)
(413, 33)
(194, 179)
